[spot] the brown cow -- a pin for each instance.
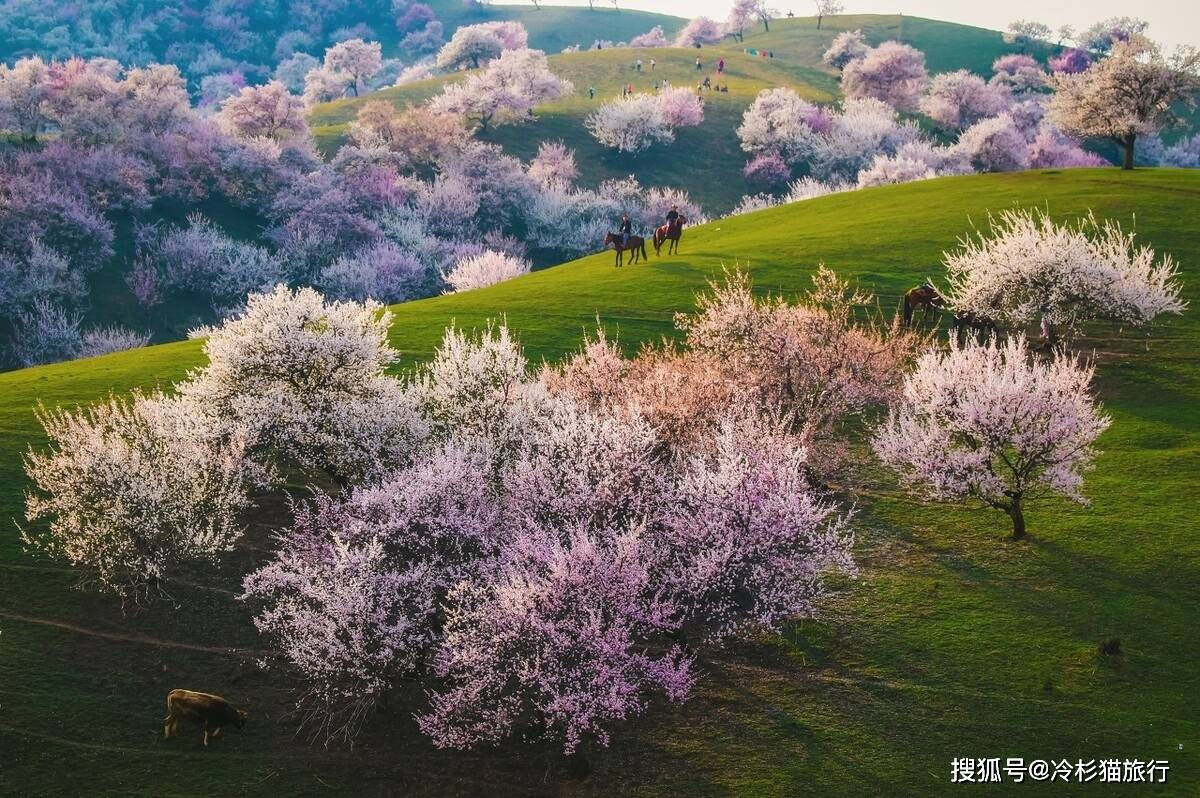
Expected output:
(210, 711)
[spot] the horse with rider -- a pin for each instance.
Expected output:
(624, 240)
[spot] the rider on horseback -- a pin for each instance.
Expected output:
(626, 229)
(672, 217)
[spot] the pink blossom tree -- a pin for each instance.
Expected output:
(698, 31)
(268, 111)
(957, 100)
(680, 107)
(351, 598)
(558, 640)
(356, 59)
(506, 91)
(1104, 35)
(995, 144)
(986, 422)
(767, 170)
(1070, 61)
(156, 98)
(554, 162)
(892, 72)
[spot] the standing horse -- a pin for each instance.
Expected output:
(636, 245)
(923, 296)
(966, 322)
(669, 232)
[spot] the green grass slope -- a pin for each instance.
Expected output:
(705, 160)
(954, 642)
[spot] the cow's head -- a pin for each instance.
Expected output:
(241, 719)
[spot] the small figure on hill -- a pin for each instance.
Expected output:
(638, 66)
(720, 66)
(707, 82)
(591, 92)
(653, 64)
(699, 64)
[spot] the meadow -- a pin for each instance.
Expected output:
(953, 641)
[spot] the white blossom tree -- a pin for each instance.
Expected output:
(847, 46)
(356, 59)
(1128, 94)
(988, 423)
(480, 271)
(1031, 268)
(306, 378)
(133, 488)
(474, 45)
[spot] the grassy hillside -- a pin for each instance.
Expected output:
(705, 160)
(553, 28)
(953, 642)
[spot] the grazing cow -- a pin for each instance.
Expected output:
(210, 711)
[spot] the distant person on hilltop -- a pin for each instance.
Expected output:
(720, 66)
(653, 64)
(591, 92)
(638, 65)
(699, 65)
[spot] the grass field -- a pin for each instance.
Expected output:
(954, 641)
(706, 160)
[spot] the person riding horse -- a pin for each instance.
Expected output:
(671, 230)
(672, 217)
(626, 229)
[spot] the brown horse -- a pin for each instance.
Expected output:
(669, 232)
(923, 296)
(968, 323)
(636, 245)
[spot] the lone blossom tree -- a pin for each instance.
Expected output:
(1128, 94)
(1031, 268)
(984, 422)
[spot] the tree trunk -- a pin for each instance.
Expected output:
(1128, 143)
(767, 25)
(1018, 519)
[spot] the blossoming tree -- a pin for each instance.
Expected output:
(1031, 267)
(985, 422)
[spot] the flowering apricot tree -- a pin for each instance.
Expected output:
(985, 422)
(1032, 268)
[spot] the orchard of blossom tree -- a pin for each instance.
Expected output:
(327, 415)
